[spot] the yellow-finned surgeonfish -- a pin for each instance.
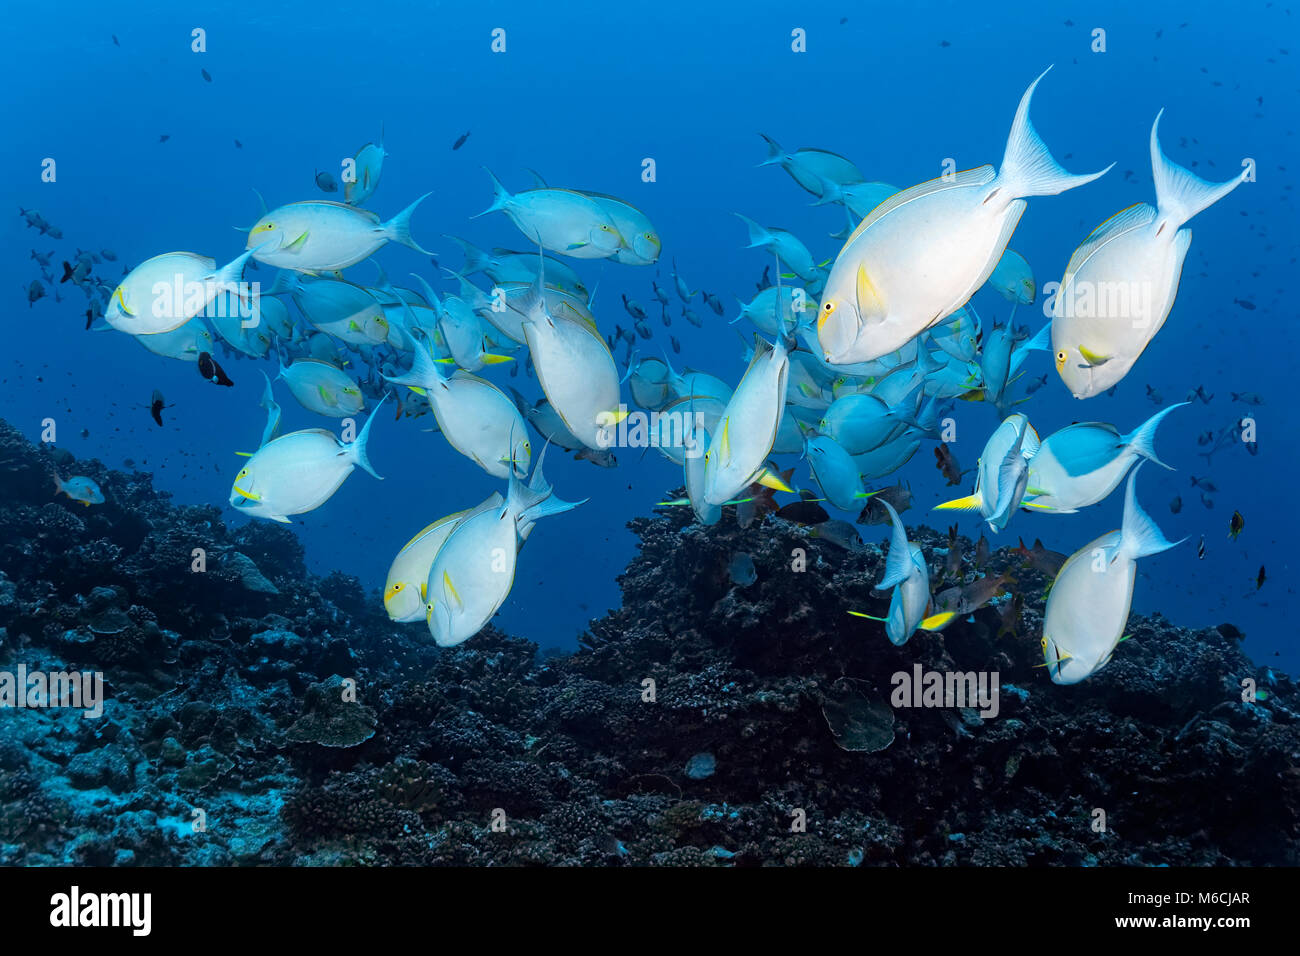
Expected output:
(1002, 475)
(1083, 463)
(165, 292)
(743, 439)
(1088, 605)
(298, 472)
(322, 387)
(477, 418)
(367, 167)
(923, 253)
(559, 220)
(474, 570)
(322, 236)
(906, 572)
(1120, 285)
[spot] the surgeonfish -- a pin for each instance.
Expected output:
(1120, 284)
(165, 292)
(1002, 475)
(907, 573)
(1083, 463)
(323, 236)
(477, 418)
(474, 570)
(1089, 602)
(1013, 279)
(367, 167)
(743, 439)
(923, 253)
(298, 472)
(322, 387)
(559, 220)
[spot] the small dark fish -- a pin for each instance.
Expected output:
(677, 346)
(1235, 524)
(1155, 396)
(981, 552)
(692, 318)
(1207, 501)
(35, 291)
(969, 598)
(206, 75)
(642, 329)
(1247, 398)
(164, 137)
(952, 562)
(108, 254)
(1204, 438)
(633, 307)
(238, 145)
(1200, 549)
(803, 512)
(325, 182)
(1176, 505)
(843, 20)
(1204, 483)
(1245, 304)
(839, 533)
(156, 406)
(1040, 558)
(899, 495)
(1036, 384)
(213, 372)
(1110, 392)
(115, 43)
(90, 317)
(434, 261)
(1199, 393)
(666, 320)
(947, 464)
(1260, 578)
(461, 141)
(713, 302)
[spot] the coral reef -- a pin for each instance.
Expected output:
(256, 714)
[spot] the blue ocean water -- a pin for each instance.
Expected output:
(583, 94)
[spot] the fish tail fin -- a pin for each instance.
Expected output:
(936, 622)
(357, 449)
(476, 260)
(969, 503)
(1139, 536)
(286, 282)
(775, 154)
(228, 277)
(58, 486)
(1180, 193)
(1142, 438)
(67, 272)
(758, 236)
(424, 371)
(398, 228)
(500, 195)
(1028, 168)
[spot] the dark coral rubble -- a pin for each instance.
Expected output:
(257, 714)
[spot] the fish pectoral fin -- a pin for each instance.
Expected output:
(298, 243)
(675, 501)
(248, 495)
(969, 503)
(870, 302)
(491, 358)
(769, 479)
(576, 245)
(1092, 358)
(121, 302)
(450, 590)
(326, 397)
(1035, 506)
(1036, 492)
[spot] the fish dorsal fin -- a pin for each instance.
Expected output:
(1126, 220)
(980, 176)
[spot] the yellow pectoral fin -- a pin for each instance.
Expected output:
(418, 389)
(616, 416)
(937, 622)
(1036, 506)
(724, 440)
(869, 300)
(490, 358)
(326, 396)
(769, 480)
(969, 503)
(298, 243)
(1092, 358)
(246, 494)
(451, 590)
(121, 302)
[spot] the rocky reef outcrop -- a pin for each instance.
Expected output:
(257, 714)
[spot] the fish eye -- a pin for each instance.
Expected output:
(1043, 643)
(242, 474)
(397, 586)
(829, 307)
(1060, 356)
